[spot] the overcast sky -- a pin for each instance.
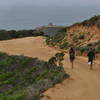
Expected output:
(49, 3)
(19, 14)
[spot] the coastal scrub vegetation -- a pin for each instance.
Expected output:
(25, 78)
(79, 37)
(12, 34)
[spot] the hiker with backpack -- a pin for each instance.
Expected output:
(91, 57)
(72, 56)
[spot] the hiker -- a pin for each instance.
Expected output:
(91, 57)
(72, 56)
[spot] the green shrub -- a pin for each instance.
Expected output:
(98, 51)
(92, 21)
(52, 61)
(54, 40)
(81, 36)
(13, 97)
(64, 45)
(60, 58)
(75, 38)
(5, 76)
(17, 73)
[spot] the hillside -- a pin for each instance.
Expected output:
(81, 35)
(89, 28)
(83, 83)
(95, 20)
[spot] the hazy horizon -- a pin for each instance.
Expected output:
(21, 14)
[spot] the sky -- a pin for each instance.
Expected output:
(25, 14)
(12, 3)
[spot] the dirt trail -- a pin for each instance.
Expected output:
(83, 84)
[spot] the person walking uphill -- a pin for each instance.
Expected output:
(72, 56)
(91, 57)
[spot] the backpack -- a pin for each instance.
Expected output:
(72, 55)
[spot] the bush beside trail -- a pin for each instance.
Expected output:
(25, 78)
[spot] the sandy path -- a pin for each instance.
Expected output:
(83, 84)
(32, 46)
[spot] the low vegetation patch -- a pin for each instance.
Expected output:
(85, 48)
(25, 78)
(56, 39)
(12, 34)
(95, 20)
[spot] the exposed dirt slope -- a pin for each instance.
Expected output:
(83, 84)
(88, 27)
(91, 33)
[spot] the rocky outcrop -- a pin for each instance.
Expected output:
(50, 31)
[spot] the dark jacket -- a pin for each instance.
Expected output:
(91, 55)
(72, 55)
